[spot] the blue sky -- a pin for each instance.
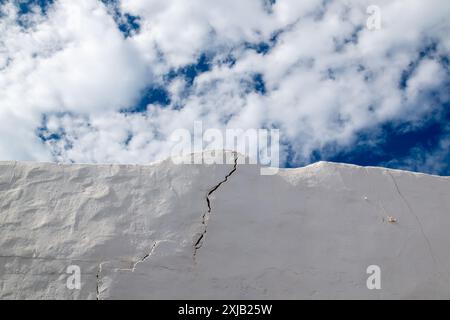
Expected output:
(107, 81)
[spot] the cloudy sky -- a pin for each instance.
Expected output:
(109, 81)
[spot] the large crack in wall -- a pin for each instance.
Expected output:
(199, 242)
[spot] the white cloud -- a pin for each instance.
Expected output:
(429, 74)
(326, 76)
(74, 60)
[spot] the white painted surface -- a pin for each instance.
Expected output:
(303, 233)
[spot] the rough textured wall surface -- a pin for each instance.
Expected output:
(222, 231)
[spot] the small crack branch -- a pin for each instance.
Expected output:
(145, 257)
(132, 269)
(97, 276)
(422, 231)
(198, 244)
